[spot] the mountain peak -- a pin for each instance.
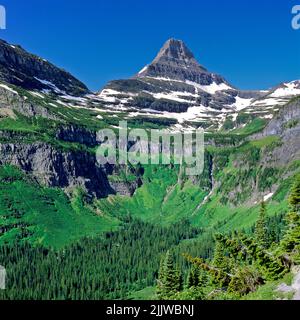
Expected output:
(174, 61)
(175, 49)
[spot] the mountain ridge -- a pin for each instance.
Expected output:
(29, 71)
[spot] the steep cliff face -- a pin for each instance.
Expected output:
(257, 169)
(287, 119)
(71, 133)
(286, 125)
(55, 168)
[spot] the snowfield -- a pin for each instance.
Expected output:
(287, 90)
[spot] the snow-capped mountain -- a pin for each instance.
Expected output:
(176, 86)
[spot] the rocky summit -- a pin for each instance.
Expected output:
(175, 86)
(175, 61)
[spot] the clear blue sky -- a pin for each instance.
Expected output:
(250, 42)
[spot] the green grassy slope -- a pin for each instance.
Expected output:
(43, 215)
(162, 198)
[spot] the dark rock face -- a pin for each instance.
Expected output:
(71, 169)
(175, 61)
(76, 134)
(55, 168)
(124, 188)
(147, 102)
(18, 67)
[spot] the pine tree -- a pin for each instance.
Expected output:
(178, 280)
(290, 243)
(203, 279)
(160, 281)
(219, 256)
(261, 229)
(294, 199)
(193, 279)
(169, 278)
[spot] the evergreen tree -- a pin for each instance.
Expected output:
(219, 260)
(179, 282)
(294, 199)
(261, 229)
(203, 279)
(193, 279)
(160, 281)
(169, 278)
(290, 243)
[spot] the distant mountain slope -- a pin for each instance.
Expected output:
(31, 72)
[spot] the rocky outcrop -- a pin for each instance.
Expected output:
(55, 168)
(125, 188)
(23, 69)
(287, 118)
(13, 101)
(286, 125)
(77, 134)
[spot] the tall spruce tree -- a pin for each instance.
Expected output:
(169, 279)
(290, 243)
(193, 279)
(261, 228)
(219, 260)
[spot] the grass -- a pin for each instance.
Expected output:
(268, 290)
(161, 199)
(265, 142)
(224, 218)
(45, 215)
(145, 294)
(252, 127)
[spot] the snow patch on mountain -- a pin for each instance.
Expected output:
(4, 86)
(268, 196)
(212, 88)
(37, 94)
(51, 85)
(241, 103)
(287, 89)
(269, 102)
(174, 96)
(143, 70)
